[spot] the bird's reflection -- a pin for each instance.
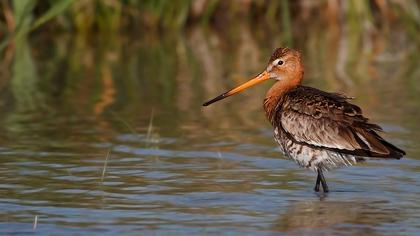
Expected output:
(326, 216)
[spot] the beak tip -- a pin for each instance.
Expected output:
(261, 77)
(218, 98)
(208, 103)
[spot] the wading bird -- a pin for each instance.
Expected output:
(318, 130)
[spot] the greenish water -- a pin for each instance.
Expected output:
(176, 168)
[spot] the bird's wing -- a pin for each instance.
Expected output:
(327, 120)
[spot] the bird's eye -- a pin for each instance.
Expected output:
(280, 62)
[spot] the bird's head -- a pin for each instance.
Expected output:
(284, 65)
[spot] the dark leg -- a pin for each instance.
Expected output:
(318, 180)
(323, 182)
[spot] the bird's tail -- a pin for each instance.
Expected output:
(394, 152)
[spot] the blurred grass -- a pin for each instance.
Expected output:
(87, 17)
(20, 17)
(125, 37)
(131, 15)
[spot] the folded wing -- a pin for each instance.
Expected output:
(327, 120)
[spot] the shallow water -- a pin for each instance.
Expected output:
(108, 136)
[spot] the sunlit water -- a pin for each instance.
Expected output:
(109, 137)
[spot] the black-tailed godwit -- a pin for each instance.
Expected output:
(318, 130)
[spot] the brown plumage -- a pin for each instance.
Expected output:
(316, 129)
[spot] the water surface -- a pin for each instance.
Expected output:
(107, 136)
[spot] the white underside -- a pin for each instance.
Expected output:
(312, 158)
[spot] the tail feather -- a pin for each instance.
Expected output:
(373, 145)
(394, 152)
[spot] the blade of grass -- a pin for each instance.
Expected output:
(58, 7)
(150, 127)
(22, 13)
(35, 222)
(105, 165)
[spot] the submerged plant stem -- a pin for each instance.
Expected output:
(105, 165)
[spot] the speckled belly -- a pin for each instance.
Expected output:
(310, 157)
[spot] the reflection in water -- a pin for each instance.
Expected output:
(333, 217)
(174, 167)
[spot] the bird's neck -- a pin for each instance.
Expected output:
(276, 92)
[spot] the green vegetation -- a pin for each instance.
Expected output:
(127, 15)
(94, 56)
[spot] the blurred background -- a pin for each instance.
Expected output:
(96, 55)
(84, 82)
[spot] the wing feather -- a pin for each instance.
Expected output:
(327, 120)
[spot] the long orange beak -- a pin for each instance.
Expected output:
(258, 79)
